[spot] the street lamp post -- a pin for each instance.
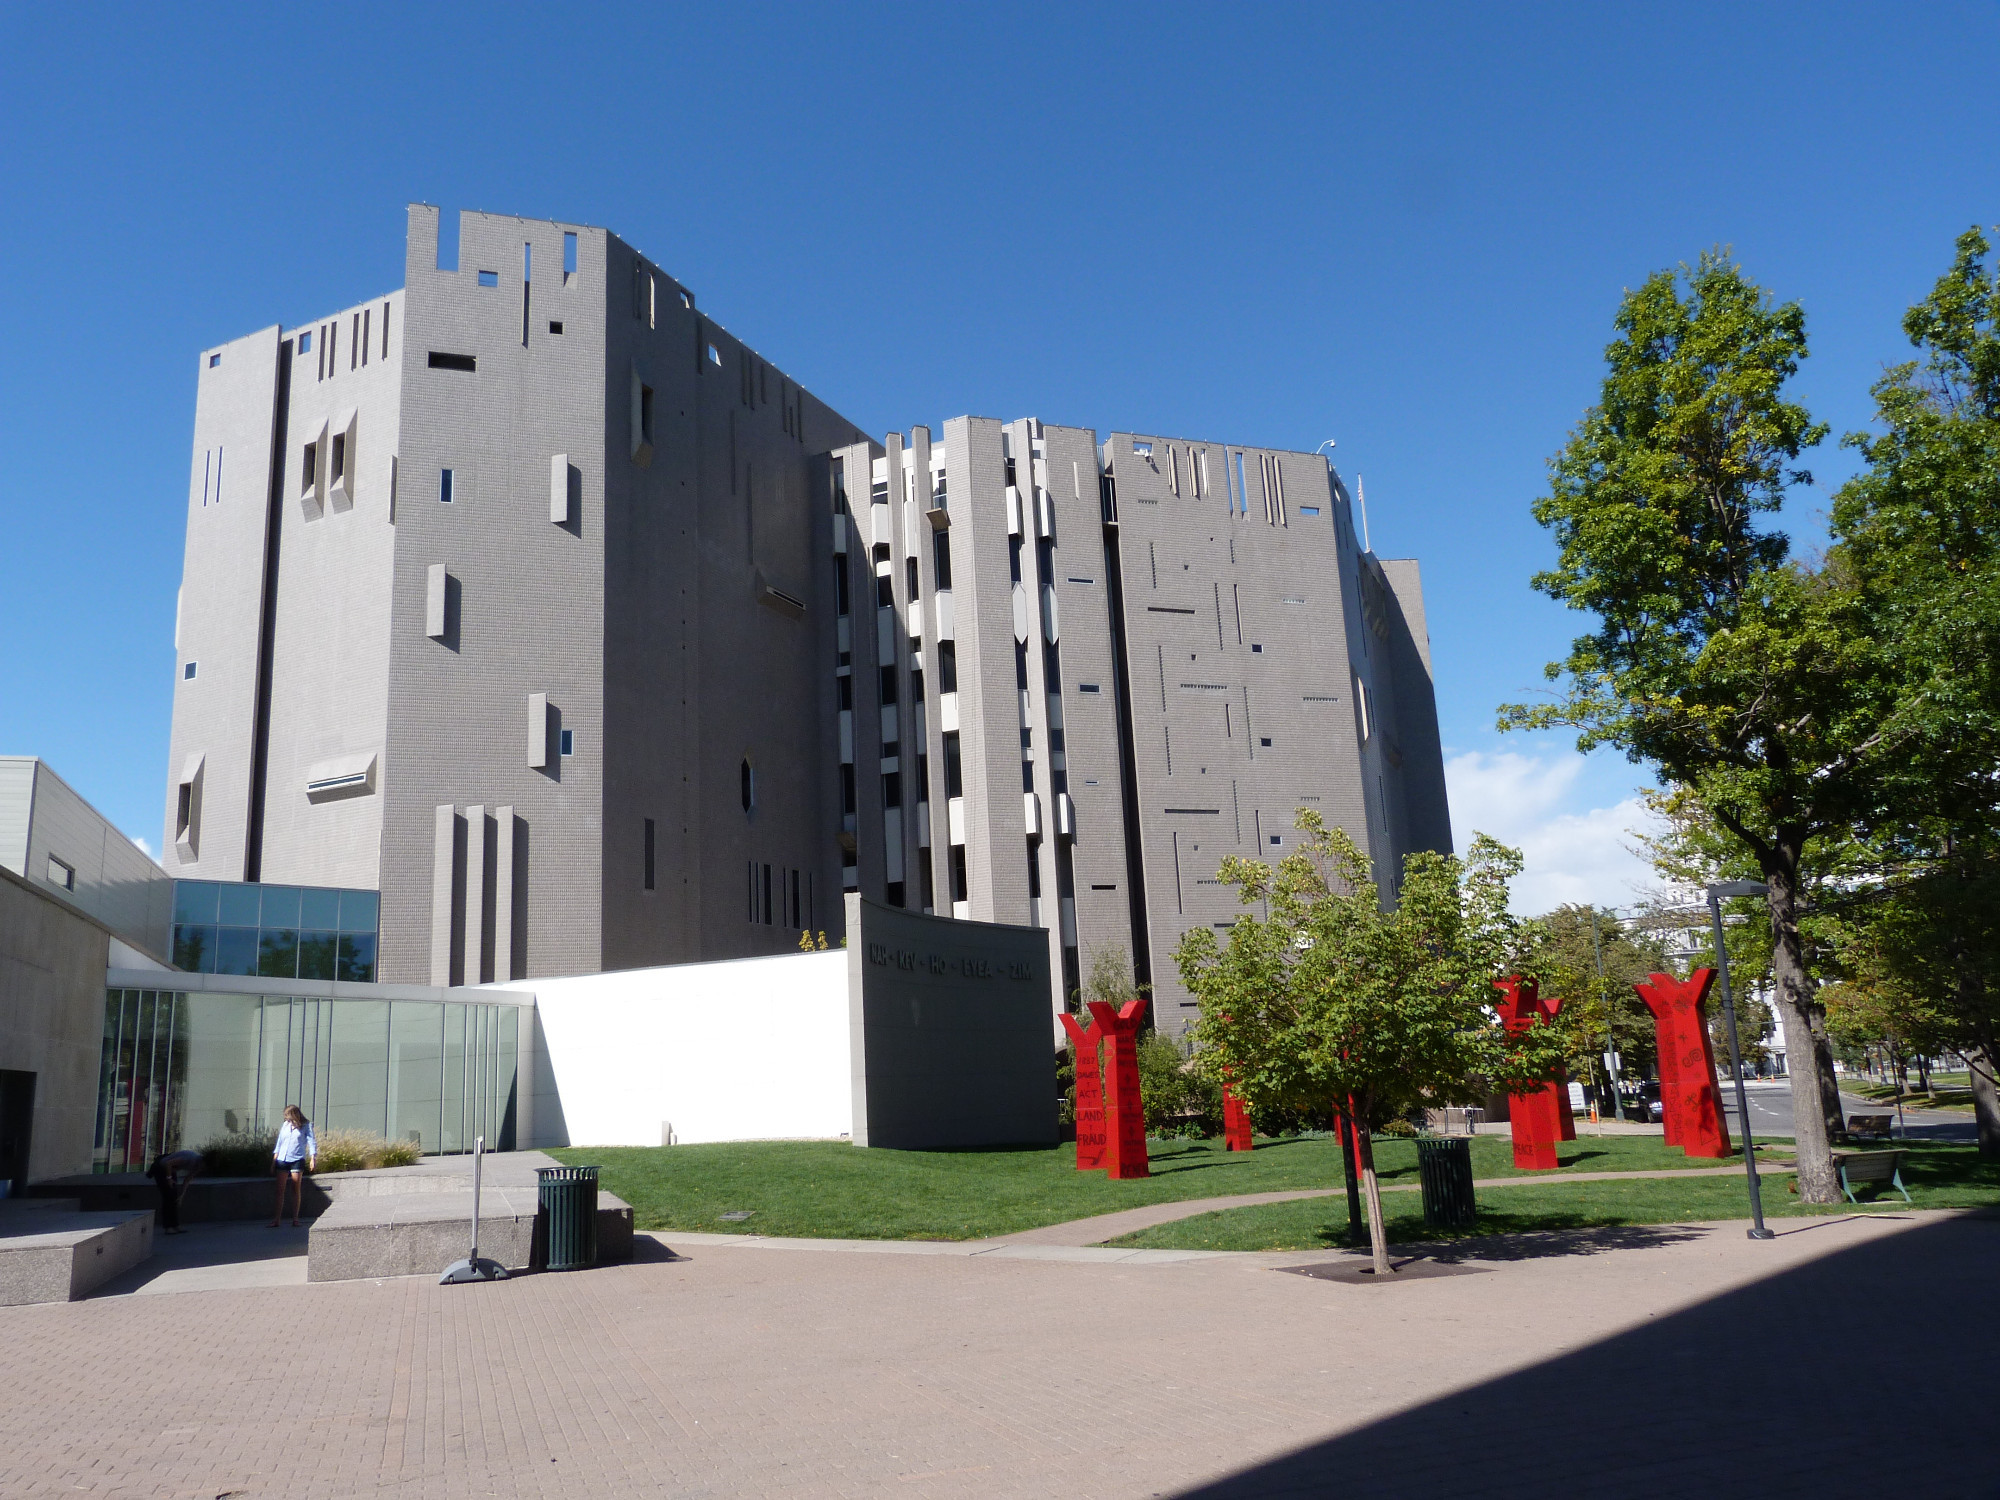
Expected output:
(1716, 893)
(1610, 1037)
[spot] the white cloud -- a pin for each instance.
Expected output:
(1573, 853)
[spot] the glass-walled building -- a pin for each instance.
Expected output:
(275, 931)
(182, 1067)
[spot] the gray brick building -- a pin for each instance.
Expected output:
(529, 597)
(1074, 676)
(499, 599)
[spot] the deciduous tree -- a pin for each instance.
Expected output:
(1320, 994)
(1749, 680)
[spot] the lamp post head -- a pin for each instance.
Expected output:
(1730, 888)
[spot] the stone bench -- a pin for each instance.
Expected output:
(415, 1221)
(53, 1251)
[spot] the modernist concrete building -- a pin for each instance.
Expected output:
(501, 600)
(508, 597)
(1073, 676)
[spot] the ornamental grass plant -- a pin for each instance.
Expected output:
(247, 1153)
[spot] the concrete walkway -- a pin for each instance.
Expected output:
(946, 1374)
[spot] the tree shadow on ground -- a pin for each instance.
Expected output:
(1549, 1244)
(1646, 1411)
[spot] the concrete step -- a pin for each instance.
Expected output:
(419, 1234)
(53, 1253)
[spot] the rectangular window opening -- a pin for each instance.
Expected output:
(568, 742)
(489, 278)
(555, 325)
(649, 854)
(441, 361)
(187, 672)
(213, 361)
(306, 342)
(444, 486)
(61, 875)
(569, 252)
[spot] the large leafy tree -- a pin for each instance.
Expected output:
(1919, 531)
(1320, 995)
(1749, 680)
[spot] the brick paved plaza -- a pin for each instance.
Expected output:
(1607, 1360)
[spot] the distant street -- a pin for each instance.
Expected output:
(1771, 1113)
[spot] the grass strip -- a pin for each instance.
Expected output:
(1938, 1176)
(831, 1190)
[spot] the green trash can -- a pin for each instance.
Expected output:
(1444, 1165)
(568, 1203)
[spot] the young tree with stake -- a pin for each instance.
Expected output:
(1320, 994)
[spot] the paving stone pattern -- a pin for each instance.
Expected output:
(740, 1372)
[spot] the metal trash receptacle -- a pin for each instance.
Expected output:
(1444, 1166)
(567, 1198)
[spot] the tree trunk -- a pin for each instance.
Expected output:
(1985, 1092)
(1378, 1235)
(1349, 1154)
(1793, 998)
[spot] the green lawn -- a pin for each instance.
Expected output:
(1944, 1095)
(1937, 1177)
(828, 1189)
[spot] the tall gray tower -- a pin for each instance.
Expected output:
(503, 596)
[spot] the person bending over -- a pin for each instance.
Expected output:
(171, 1172)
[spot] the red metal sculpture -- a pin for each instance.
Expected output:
(1540, 1117)
(1235, 1121)
(1124, 1114)
(1089, 1095)
(1691, 1107)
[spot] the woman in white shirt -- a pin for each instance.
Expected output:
(296, 1153)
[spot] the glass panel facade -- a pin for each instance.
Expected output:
(276, 931)
(179, 1069)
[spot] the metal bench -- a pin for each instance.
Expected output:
(1870, 1169)
(1869, 1125)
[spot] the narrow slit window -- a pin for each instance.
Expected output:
(444, 486)
(649, 854)
(385, 330)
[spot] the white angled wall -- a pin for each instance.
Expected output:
(746, 1049)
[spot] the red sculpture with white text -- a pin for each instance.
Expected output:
(1089, 1095)
(1691, 1106)
(1235, 1121)
(1124, 1114)
(1537, 1117)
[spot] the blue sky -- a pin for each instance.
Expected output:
(1403, 228)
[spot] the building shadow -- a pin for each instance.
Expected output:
(1822, 1380)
